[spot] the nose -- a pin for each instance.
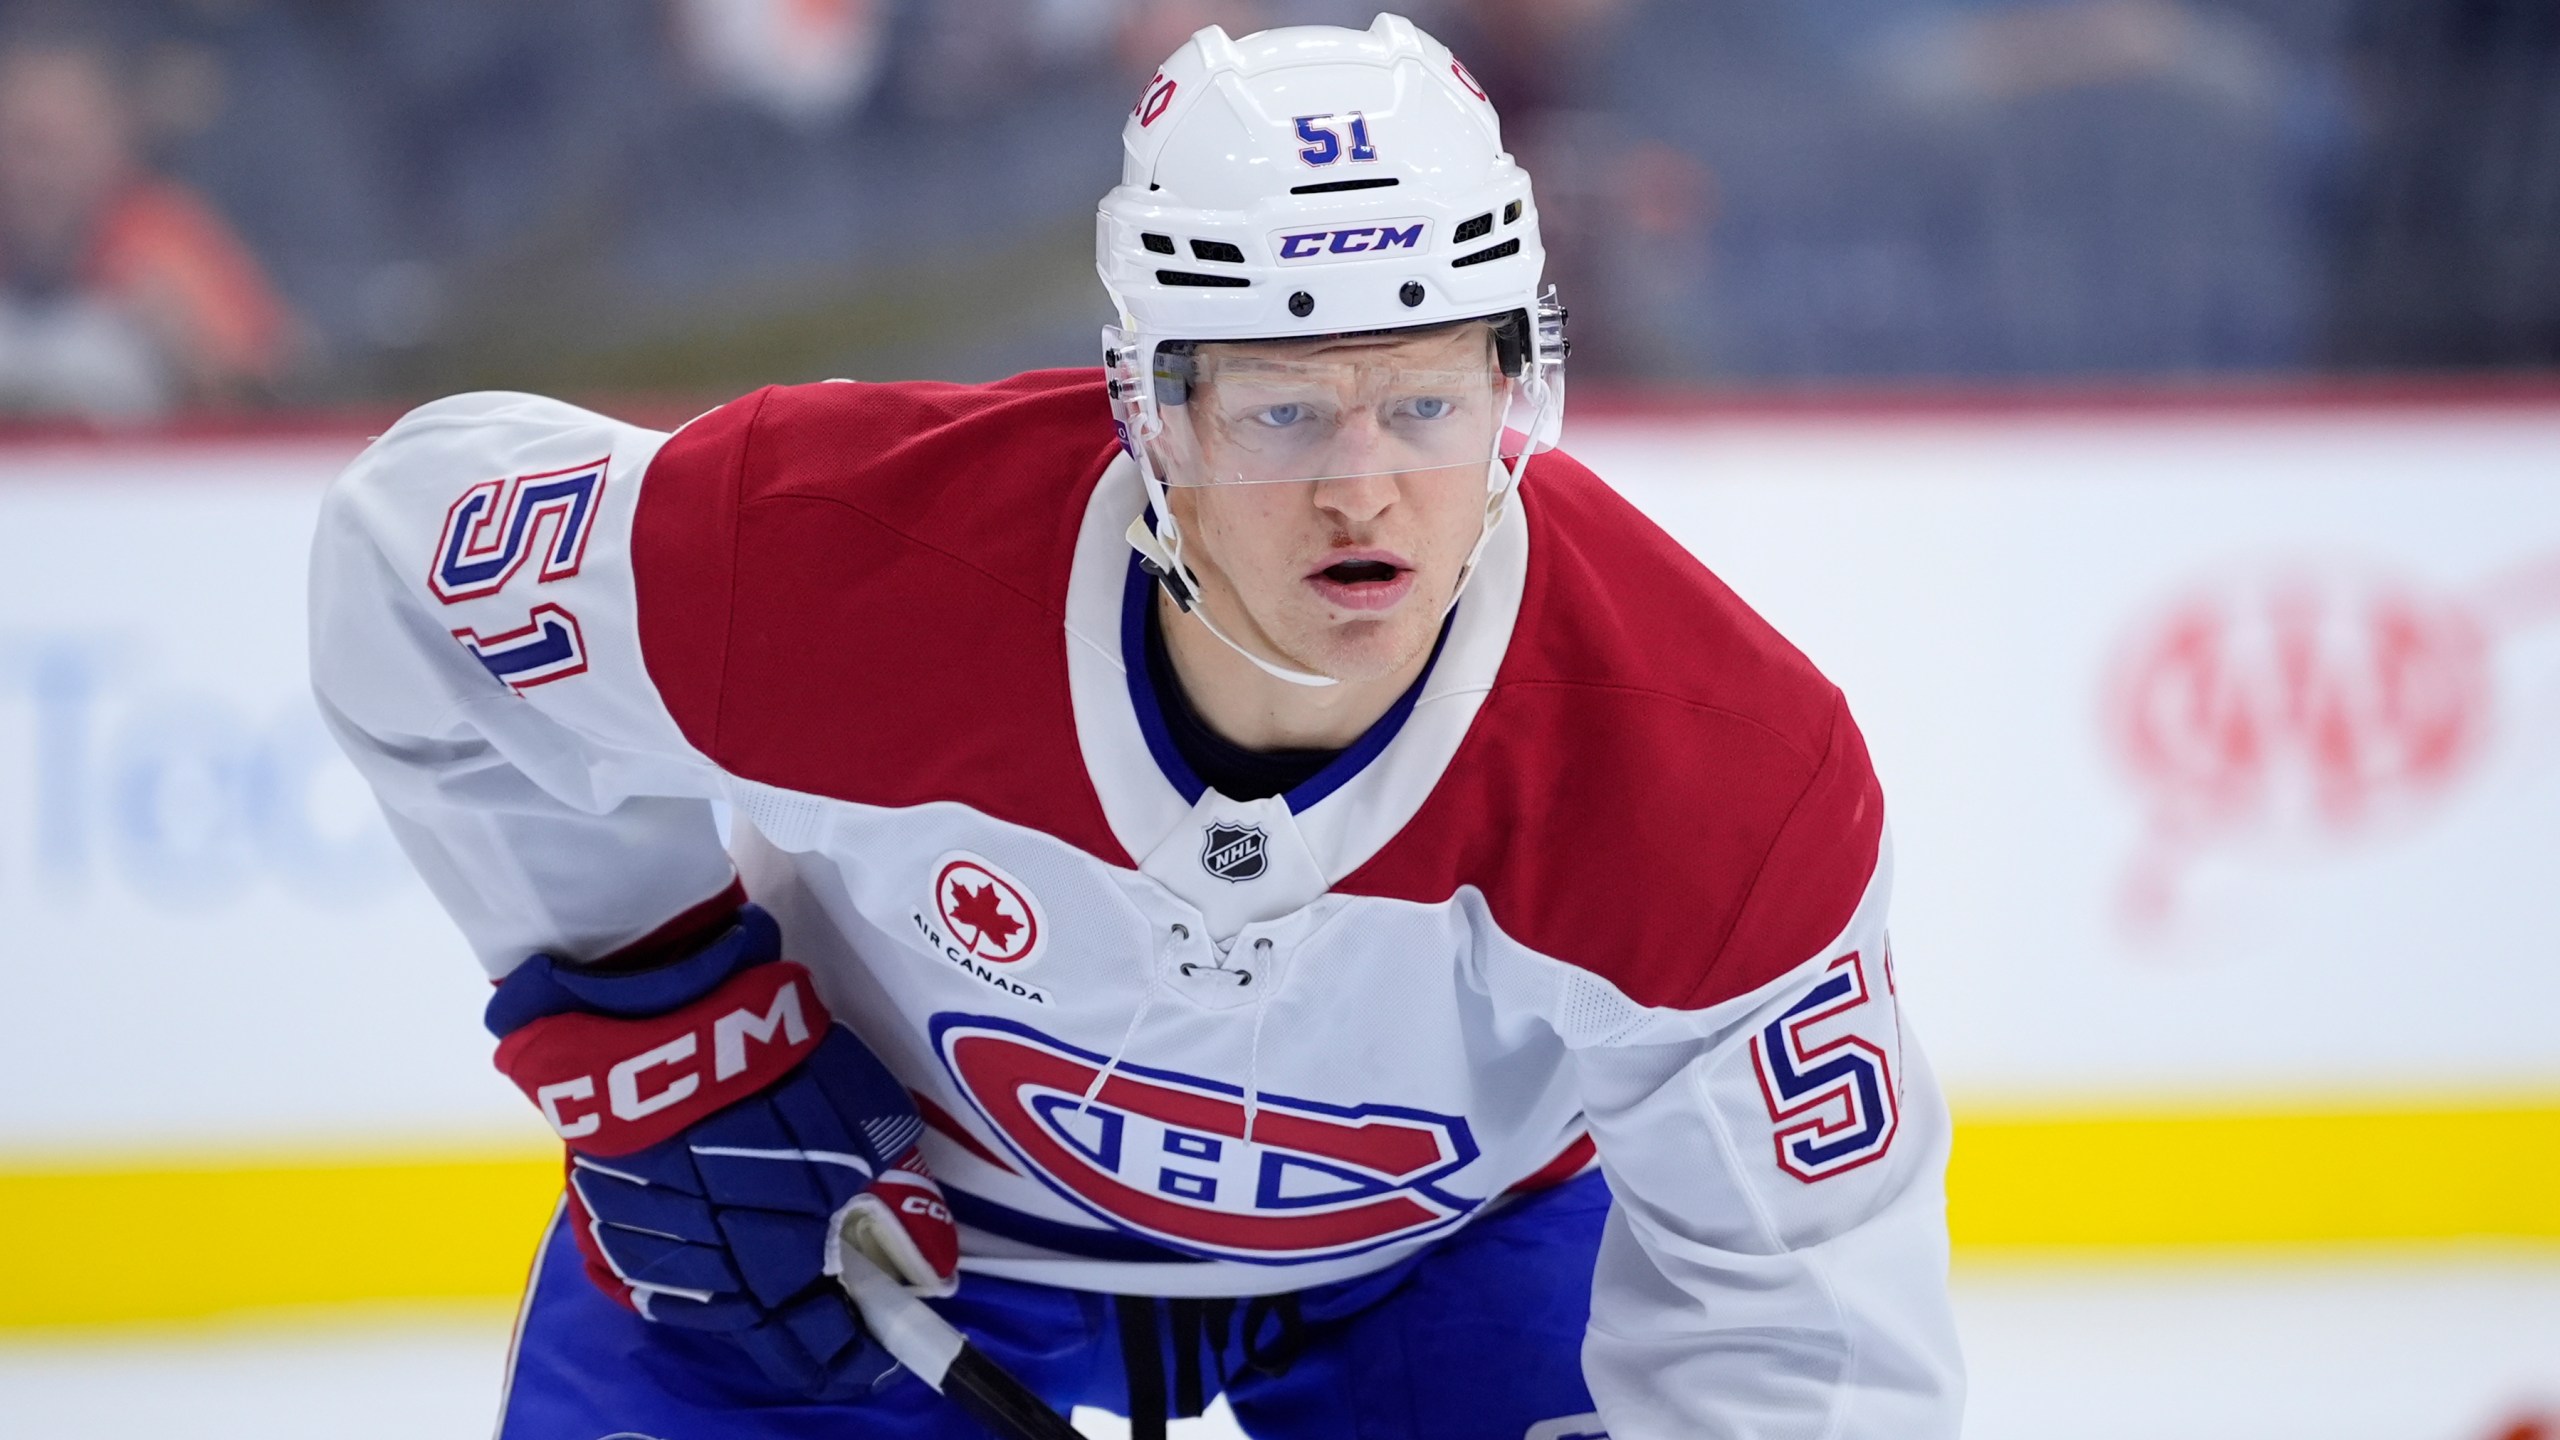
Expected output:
(1364, 484)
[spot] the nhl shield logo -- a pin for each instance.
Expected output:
(1235, 852)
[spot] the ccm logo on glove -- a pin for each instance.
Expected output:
(611, 1085)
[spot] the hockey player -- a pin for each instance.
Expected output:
(1343, 911)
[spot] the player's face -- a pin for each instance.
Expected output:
(1335, 488)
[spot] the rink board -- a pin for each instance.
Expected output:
(268, 1231)
(2221, 747)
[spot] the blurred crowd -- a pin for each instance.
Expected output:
(214, 204)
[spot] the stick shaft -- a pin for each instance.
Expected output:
(943, 1358)
(1000, 1402)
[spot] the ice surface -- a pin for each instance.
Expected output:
(2456, 1349)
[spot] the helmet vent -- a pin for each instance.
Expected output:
(1218, 250)
(1511, 212)
(1209, 282)
(1475, 229)
(1490, 252)
(1161, 244)
(1329, 187)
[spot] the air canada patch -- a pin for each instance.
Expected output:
(1236, 852)
(985, 922)
(1166, 1156)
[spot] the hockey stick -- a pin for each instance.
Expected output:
(943, 1358)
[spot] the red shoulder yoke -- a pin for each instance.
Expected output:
(858, 591)
(1658, 788)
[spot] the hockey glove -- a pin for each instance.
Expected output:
(723, 1134)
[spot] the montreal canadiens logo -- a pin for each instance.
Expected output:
(986, 912)
(1166, 1155)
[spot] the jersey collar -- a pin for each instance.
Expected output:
(1148, 705)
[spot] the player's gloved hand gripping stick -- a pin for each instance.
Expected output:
(724, 1138)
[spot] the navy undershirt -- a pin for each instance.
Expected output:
(1225, 766)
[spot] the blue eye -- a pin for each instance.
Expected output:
(1432, 407)
(1280, 417)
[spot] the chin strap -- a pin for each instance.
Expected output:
(1165, 563)
(1498, 488)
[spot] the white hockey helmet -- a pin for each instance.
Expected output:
(1317, 181)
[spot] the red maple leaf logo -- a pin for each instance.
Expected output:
(981, 909)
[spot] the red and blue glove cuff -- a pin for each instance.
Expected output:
(620, 1062)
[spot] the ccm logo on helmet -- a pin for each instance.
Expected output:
(618, 1085)
(1355, 240)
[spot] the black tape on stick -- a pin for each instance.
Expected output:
(1001, 1403)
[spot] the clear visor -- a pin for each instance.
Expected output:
(1256, 415)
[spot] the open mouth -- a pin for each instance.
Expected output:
(1373, 582)
(1361, 572)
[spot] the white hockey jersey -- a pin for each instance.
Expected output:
(1610, 880)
